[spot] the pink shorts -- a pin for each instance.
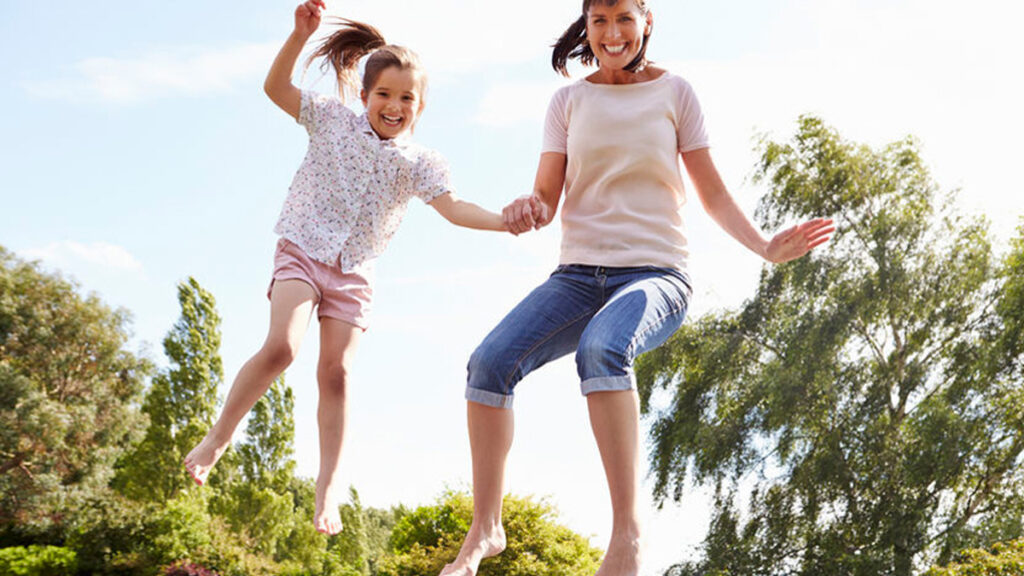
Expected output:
(345, 296)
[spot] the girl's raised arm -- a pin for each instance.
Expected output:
(278, 84)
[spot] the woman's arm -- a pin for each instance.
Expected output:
(538, 209)
(278, 84)
(719, 204)
(466, 214)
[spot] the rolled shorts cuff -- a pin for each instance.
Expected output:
(608, 384)
(492, 399)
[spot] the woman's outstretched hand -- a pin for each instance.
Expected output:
(307, 16)
(794, 242)
(524, 214)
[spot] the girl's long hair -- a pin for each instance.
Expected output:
(573, 43)
(343, 50)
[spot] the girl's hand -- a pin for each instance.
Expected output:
(794, 242)
(524, 214)
(307, 17)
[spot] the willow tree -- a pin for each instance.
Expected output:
(862, 412)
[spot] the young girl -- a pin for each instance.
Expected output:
(345, 203)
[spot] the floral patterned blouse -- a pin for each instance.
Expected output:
(352, 189)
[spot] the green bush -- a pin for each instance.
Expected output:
(1004, 559)
(38, 561)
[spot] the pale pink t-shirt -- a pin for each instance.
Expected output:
(623, 184)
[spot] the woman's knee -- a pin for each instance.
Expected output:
(598, 356)
(490, 370)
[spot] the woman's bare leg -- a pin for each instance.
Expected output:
(490, 438)
(615, 420)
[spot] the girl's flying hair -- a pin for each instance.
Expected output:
(573, 43)
(343, 49)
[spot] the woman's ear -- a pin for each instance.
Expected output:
(650, 23)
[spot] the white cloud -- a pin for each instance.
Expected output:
(511, 103)
(461, 36)
(69, 254)
(171, 72)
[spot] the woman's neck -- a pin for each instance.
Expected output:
(622, 76)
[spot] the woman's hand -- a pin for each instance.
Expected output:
(794, 242)
(524, 214)
(307, 17)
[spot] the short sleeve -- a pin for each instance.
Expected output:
(556, 125)
(433, 176)
(692, 135)
(317, 111)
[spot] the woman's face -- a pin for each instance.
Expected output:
(616, 33)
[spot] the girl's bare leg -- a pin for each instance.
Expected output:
(615, 420)
(337, 347)
(490, 437)
(291, 304)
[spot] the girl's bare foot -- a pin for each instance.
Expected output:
(326, 518)
(622, 558)
(202, 458)
(479, 544)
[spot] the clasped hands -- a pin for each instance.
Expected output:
(526, 213)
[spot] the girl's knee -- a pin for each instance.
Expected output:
(333, 378)
(278, 354)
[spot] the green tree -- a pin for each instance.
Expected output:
(868, 394)
(429, 537)
(69, 395)
(265, 456)
(1003, 559)
(181, 401)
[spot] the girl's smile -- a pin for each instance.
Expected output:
(394, 103)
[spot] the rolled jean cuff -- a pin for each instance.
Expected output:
(491, 399)
(608, 384)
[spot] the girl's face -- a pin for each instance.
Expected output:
(616, 33)
(394, 103)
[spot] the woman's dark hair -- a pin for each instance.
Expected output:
(343, 49)
(573, 43)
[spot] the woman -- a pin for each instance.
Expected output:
(612, 141)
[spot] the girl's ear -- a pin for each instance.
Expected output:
(650, 23)
(362, 96)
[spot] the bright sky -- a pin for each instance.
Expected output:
(137, 148)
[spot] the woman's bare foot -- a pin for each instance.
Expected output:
(622, 558)
(479, 544)
(326, 518)
(202, 458)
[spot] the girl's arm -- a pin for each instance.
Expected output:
(466, 214)
(538, 209)
(278, 84)
(719, 204)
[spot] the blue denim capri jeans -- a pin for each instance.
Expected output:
(608, 316)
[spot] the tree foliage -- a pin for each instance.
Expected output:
(1003, 559)
(68, 398)
(429, 537)
(181, 401)
(868, 394)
